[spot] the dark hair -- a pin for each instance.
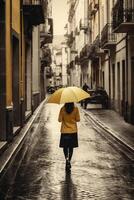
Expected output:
(69, 107)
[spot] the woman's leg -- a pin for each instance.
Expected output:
(65, 150)
(70, 153)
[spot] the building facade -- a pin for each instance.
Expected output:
(64, 63)
(101, 33)
(59, 61)
(122, 62)
(20, 65)
(46, 38)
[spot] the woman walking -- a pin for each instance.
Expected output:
(69, 116)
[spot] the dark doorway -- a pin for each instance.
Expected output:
(123, 87)
(132, 90)
(15, 86)
(103, 79)
(118, 85)
(113, 80)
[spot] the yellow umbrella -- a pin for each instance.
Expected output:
(68, 94)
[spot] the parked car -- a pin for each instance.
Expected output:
(51, 89)
(97, 96)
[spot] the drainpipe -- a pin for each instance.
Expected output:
(126, 88)
(109, 65)
(100, 67)
(22, 109)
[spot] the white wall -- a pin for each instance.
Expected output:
(36, 61)
(64, 65)
(79, 14)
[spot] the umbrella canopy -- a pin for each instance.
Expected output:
(68, 94)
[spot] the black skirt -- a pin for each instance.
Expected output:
(69, 140)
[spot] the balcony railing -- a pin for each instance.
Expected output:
(77, 31)
(71, 10)
(71, 38)
(34, 11)
(96, 42)
(74, 51)
(32, 2)
(108, 38)
(91, 51)
(84, 53)
(77, 60)
(94, 49)
(49, 72)
(96, 4)
(123, 17)
(93, 8)
(72, 64)
(84, 24)
(47, 31)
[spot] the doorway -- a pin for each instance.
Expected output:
(132, 90)
(15, 84)
(103, 79)
(113, 81)
(123, 87)
(118, 86)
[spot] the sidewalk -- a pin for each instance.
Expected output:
(115, 123)
(8, 150)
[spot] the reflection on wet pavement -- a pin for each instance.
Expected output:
(68, 188)
(98, 171)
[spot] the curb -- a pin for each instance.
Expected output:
(12, 148)
(111, 132)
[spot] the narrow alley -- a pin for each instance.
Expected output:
(72, 52)
(98, 170)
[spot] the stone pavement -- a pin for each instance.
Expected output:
(115, 123)
(107, 118)
(8, 150)
(99, 171)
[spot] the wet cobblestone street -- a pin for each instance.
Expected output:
(98, 172)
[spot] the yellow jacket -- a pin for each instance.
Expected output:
(69, 121)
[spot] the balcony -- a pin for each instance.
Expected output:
(84, 54)
(68, 69)
(34, 11)
(93, 8)
(74, 51)
(46, 62)
(84, 24)
(97, 47)
(90, 51)
(93, 11)
(99, 52)
(94, 50)
(108, 39)
(96, 4)
(71, 38)
(77, 31)
(72, 64)
(123, 18)
(46, 59)
(77, 60)
(49, 72)
(71, 10)
(46, 32)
